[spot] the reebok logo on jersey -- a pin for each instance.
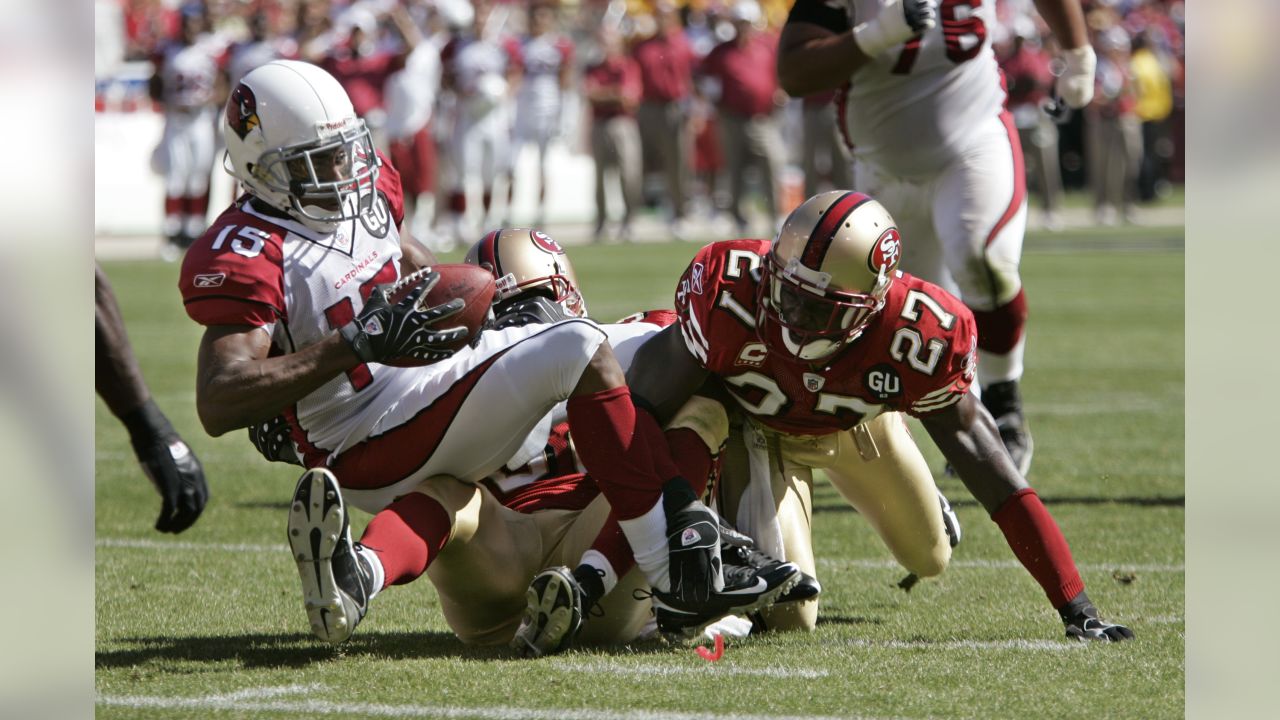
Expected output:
(696, 278)
(689, 537)
(210, 280)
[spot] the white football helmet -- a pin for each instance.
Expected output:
(293, 140)
(826, 275)
(524, 260)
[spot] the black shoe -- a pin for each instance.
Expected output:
(746, 590)
(337, 581)
(949, 521)
(1004, 401)
(739, 549)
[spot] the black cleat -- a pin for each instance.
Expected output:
(336, 581)
(739, 549)
(1004, 401)
(746, 590)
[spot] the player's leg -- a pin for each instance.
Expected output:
(177, 154)
(196, 196)
(769, 496)
(911, 205)
(879, 470)
(980, 216)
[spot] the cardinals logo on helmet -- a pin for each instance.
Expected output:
(242, 111)
(544, 241)
(886, 252)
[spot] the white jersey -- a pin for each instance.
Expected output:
(542, 58)
(917, 106)
(256, 268)
(479, 72)
(189, 73)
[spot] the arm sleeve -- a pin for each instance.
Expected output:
(239, 283)
(817, 12)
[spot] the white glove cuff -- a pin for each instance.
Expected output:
(887, 29)
(1076, 84)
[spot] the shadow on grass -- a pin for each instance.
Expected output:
(835, 504)
(293, 650)
(261, 650)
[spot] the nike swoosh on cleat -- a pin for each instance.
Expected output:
(760, 586)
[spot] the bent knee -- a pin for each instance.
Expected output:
(929, 564)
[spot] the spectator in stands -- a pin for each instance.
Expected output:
(613, 89)
(1114, 141)
(265, 43)
(1154, 103)
(666, 73)
(1029, 80)
(362, 64)
(739, 76)
(546, 57)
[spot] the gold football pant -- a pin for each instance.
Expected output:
(876, 467)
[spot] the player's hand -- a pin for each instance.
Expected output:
(178, 476)
(898, 21)
(537, 309)
(1074, 87)
(1083, 623)
(383, 331)
(273, 441)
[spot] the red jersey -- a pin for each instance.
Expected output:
(917, 355)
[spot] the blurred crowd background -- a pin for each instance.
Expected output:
(651, 97)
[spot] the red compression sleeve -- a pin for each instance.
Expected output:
(407, 536)
(1035, 538)
(611, 444)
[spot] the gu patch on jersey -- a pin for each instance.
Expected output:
(883, 381)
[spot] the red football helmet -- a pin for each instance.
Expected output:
(826, 275)
(524, 260)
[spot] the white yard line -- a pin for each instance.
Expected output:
(1036, 645)
(261, 693)
(491, 712)
(673, 669)
(148, 544)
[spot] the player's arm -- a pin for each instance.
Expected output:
(967, 435)
(237, 384)
(819, 51)
(165, 458)
(664, 374)
(1066, 19)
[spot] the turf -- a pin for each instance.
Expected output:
(209, 624)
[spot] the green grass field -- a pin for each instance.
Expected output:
(210, 624)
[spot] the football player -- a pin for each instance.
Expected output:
(291, 285)
(540, 510)
(823, 343)
(921, 104)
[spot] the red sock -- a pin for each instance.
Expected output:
(611, 543)
(196, 204)
(1036, 540)
(1000, 329)
(407, 535)
(614, 451)
(173, 205)
(458, 202)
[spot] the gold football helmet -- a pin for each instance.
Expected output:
(826, 275)
(523, 261)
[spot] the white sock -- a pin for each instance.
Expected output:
(647, 536)
(597, 561)
(993, 368)
(379, 575)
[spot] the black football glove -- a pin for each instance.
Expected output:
(537, 309)
(920, 14)
(1082, 622)
(273, 441)
(384, 332)
(178, 475)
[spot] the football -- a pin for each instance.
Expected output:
(457, 280)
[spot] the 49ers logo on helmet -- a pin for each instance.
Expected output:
(886, 252)
(544, 241)
(242, 111)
